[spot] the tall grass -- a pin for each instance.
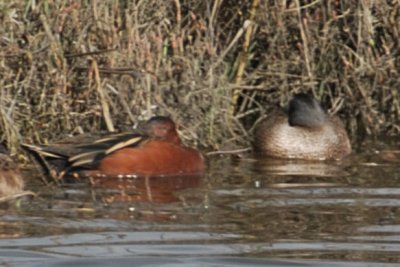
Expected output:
(70, 67)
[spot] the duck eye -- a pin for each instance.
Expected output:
(160, 131)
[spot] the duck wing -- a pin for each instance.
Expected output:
(58, 159)
(95, 152)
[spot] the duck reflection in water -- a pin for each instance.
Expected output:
(155, 189)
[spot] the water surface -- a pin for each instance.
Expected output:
(243, 211)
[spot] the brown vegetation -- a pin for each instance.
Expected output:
(69, 67)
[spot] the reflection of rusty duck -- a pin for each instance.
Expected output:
(156, 151)
(147, 189)
(302, 131)
(11, 182)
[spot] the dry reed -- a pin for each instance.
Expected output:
(70, 67)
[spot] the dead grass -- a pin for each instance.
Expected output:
(69, 67)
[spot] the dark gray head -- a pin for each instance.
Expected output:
(304, 110)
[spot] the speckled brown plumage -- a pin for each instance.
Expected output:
(315, 140)
(11, 182)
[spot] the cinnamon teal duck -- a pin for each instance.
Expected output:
(157, 150)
